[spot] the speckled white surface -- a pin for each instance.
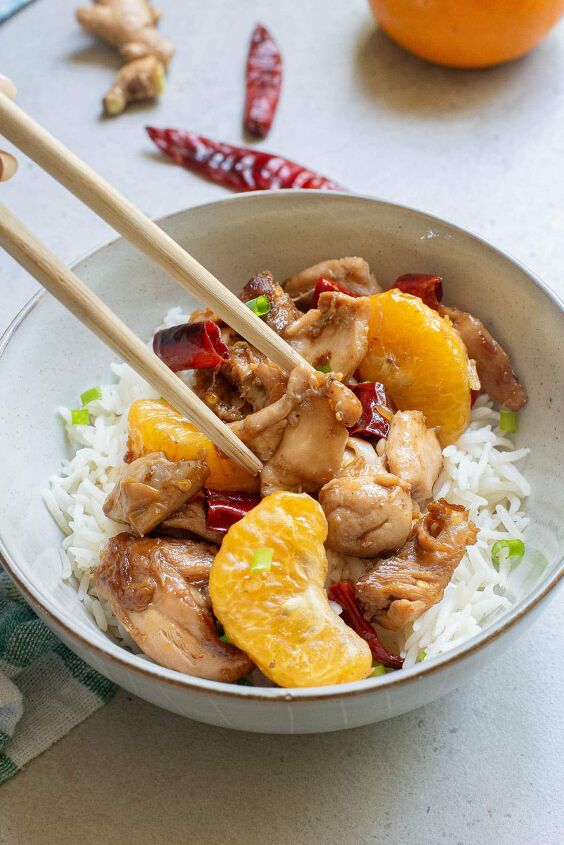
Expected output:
(486, 150)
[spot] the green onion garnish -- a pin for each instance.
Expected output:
(80, 416)
(259, 306)
(225, 639)
(508, 421)
(262, 560)
(515, 549)
(377, 669)
(90, 395)
(244, 682)
(422, 656)
(324, 368)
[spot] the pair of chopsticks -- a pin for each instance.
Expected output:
(95, 192)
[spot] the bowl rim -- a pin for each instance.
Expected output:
(129, 661)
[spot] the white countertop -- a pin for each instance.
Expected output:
(485, 150)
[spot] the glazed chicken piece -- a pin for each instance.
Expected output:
(493, 364)
(158, 589)
(334, 333)
(246, 382)
(398, 589)
(282, 312)
(151, 488)
(368, 510)
(413, 453)
(301, 438)
(190, 519)
(352, 273)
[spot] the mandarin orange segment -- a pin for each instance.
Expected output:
(421, 360)
(281, 616)
(154, 426)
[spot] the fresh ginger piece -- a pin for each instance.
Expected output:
(137, 80)
(128, 25)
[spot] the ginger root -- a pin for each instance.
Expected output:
(130, 25)
(137, 80)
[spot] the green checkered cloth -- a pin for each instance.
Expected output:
(45, 689)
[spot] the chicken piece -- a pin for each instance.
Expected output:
(151, 488)
(190, 519)
(352, 273)
(493, 364)
(246, 382)
(222, 397)
(336, 332)
(157, 588)
(398, 589)
(282, 312)
(367, 513)
(258, 379)
(302, 437)
(413, 453)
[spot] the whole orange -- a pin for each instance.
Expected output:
(467, 33)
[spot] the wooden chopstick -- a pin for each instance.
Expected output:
(95, 192)
(28, 251)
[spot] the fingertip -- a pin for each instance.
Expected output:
(8, 166)
(7, 87)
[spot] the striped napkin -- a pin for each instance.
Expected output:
(45, 689)
(10, 7)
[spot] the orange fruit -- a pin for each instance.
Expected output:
(421, 360)
(467, 33)
(154, 426)
(281, 616)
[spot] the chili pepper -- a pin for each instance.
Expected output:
(374, 422)
(343, 593)
(428, 288)
(324, 285)
(264, 80)
(473, 396)
(224, 509)
(238, 168)
(191, 346)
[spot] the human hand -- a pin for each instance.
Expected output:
(8, 164)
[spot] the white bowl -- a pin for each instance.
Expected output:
(48, 358)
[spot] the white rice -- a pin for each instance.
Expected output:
(479, 472)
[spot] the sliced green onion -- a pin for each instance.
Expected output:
(80, 416)
(377, 669)
(244, 682)
(508, 421)
(90, 395)
(225, 639)
(324, 368)
(262, 560)
(422, 656)
(515, 549)
(259, 306)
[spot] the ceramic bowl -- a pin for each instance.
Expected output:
(47, 359)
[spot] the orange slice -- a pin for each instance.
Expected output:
(421, 360)
(280, 616)
(154, 426)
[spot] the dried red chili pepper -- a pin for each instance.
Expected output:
(376, 416)
(343, 593)
(324, 285)
(264, 80)
(473, 396)
(224, 509)
(428, 288)
(191, 346)
(238, 168)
